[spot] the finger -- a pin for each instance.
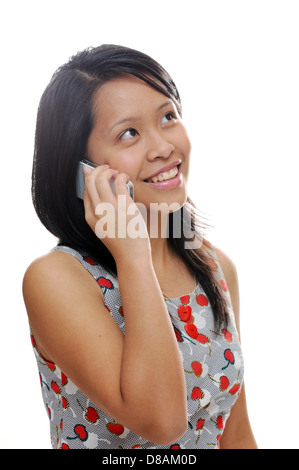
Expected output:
(88, 174)
(103, 186)
(90, 193)
(120, 183)
(97, 183)
(88, 209)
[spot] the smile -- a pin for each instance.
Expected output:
(165, 175)
(169, 179)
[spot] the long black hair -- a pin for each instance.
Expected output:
(65, 120)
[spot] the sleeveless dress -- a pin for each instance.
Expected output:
(212, 362)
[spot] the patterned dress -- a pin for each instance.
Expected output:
(212, 362)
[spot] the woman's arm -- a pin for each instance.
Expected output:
(136, 378)
(237, 433)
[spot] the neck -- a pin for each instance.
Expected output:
(157, 229)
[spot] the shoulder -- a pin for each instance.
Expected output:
(231, 277)
(228, 267)
(55, 270)
(52, 264)
(66, 312)
(226, 263)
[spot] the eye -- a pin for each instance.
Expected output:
(128, 134)
(168, 117)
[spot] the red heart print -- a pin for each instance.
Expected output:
(197, 393)
(184, 312)
(92, 415)
(81, 432)
(191, 330)
(202, 300)
(197, 367)
(115, 428)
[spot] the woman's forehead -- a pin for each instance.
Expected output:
(127, 97)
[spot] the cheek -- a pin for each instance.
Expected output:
(120, 161)
(125, 162)
(184, 147)
(187, 143)
(182, 141)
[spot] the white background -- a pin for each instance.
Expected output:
(236, 66)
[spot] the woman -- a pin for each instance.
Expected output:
(143, 352)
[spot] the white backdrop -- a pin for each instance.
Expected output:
(236, 66)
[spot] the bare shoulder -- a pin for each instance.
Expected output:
(51, 264)
(228, 266)
(231, 277)
(53, 268)
(63, 300)
(53, 279)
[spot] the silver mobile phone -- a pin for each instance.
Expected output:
(80, 179)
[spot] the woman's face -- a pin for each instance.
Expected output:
(138, 131)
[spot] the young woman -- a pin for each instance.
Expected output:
(136, 337)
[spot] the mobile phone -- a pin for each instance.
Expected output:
(80, 179)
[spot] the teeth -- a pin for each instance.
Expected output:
(166, 175)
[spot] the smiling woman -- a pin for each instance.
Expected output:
(147, 152)
(124, 329)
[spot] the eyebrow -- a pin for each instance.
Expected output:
(135, 119)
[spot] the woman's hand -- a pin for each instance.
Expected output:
(114, 216)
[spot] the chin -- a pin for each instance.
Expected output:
(164, 201)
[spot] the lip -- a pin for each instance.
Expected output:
(162, 170)
(167, 184)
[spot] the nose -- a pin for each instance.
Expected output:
(159, 146)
